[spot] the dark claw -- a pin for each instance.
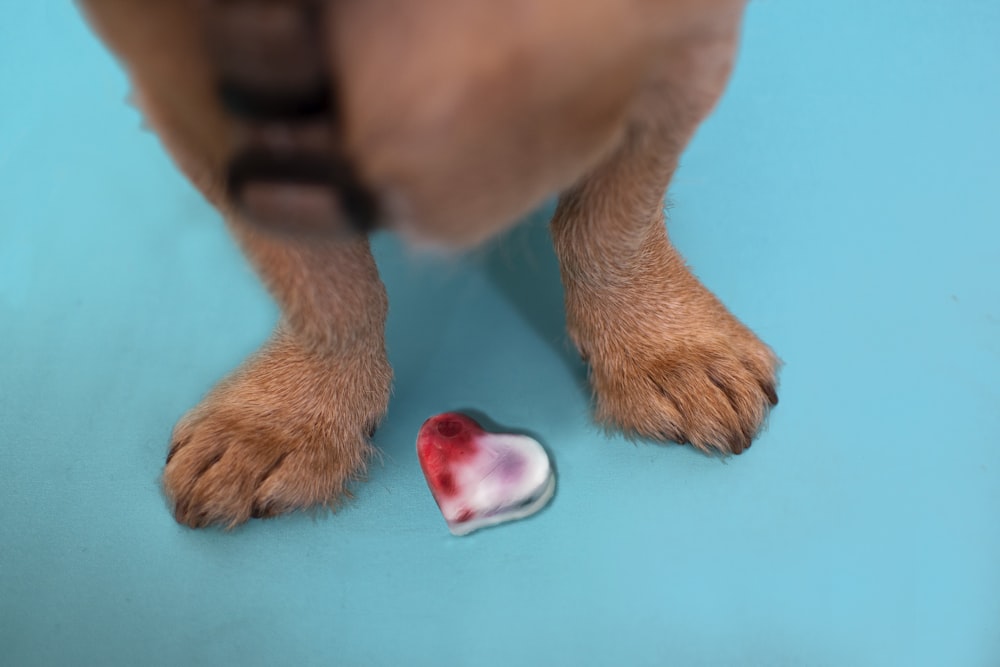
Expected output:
(772, 395)
(176, 447)
(180, 511)
(173, 450)
(262, 511)
(742, 444)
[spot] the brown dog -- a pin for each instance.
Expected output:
(446, 120)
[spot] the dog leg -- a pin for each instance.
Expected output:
(291, 428)
(667, 360)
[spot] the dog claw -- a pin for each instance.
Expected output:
(771, 393)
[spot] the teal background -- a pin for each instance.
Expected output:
(843, 200)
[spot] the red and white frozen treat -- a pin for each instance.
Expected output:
(481, 479)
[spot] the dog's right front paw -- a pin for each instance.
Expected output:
(289, 430)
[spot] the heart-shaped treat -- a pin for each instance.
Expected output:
(481, 479)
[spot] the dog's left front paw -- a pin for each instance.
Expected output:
(673, 364)
(713, 390)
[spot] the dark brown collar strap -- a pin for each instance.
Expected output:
(288, 170)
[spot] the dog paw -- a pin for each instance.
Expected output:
(289, 430)
(710, 394)
(690, 382)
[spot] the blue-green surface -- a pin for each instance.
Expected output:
(843, 200)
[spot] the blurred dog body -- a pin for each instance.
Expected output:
(459, 116)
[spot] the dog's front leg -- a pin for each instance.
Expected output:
(292, 427)
(667, 360)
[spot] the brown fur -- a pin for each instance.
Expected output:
(462, 115)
